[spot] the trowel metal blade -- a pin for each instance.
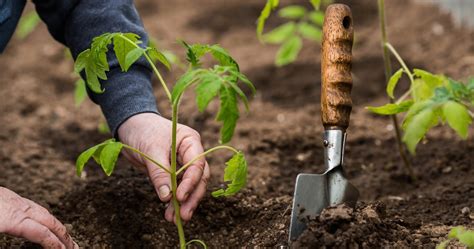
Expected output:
(314, 192)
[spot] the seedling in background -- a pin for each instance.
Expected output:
(431, 99)
(27, 24)
(465, 237)
(220, 80)
(302, 23)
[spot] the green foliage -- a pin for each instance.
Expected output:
(221, 80)
(105, 154)
(435, 99)
(302, 23)
(235, 174)
(80, 92)
(27, 24)
(465, 237)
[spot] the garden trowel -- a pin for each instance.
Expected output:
(314, 192)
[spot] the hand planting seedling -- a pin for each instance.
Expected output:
(220, 80)
(302, 23)
(431, 99)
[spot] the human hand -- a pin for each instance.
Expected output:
(21, 217)
(151, 134)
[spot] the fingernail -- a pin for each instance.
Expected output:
(191, 213)
(185, 197)
(164, 191)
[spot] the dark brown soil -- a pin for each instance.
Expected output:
(42, 133)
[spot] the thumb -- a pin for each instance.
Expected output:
(161, 179)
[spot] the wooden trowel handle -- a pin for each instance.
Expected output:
(336, 65)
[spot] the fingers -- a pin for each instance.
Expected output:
(35, 232)
(189, 148)
(188, 207)
(161, 179)
(42, 216)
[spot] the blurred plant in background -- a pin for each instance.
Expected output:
(301, 23)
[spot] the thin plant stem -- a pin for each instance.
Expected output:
(388, 73)
(221, 147)
(146, 157)
(174, 180)
(155, 70)
(400, 60)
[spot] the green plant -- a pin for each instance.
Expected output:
(388, 73)
(27, 24)
(220, 80)
(302, 23)
(465, 237)
(431, 99)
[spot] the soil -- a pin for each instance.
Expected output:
(43, 132)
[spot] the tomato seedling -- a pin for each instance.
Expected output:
(431, 99)
(302, 23)
(221, 81)
(465, 237)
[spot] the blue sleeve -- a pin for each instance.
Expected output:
(76, 22)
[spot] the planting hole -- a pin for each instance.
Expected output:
(346, 22)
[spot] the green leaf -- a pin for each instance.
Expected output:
(228, 113)
(317, 17)
(457, 117)
(288, 51)
(292, 12)
(425, 84)
(109, 156)
(430, 79)
(443, 244)
(132, 57)
(235, 173)
(27, 24)
(81, 61)
(417, 127)
(103, 128)
(392, 82)
(85, 156)
(205, 92)
(156, 55)
(280, 33)
(123, 45)
(316, 4)
(182, 83)
(80, 92)
(390, 109)
(269, 6)
(466, 237)
(309, 31)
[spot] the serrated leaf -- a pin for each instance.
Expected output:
(289, 51)
(80, 92)
(417, 128)
(292, 12)
(317, 17)
(27, 24)
(205, 92)
(182, 83)
(316, 4)
(416, 108)
(92, 80)
(392, 82)
(109, 156)
(85, 156)
(264, 14)
(81, 61)
(390, 109)
(457, 117)
(280, 33)
(228, 113)
(122, 47)
(132, 57)
(309, 31)
(156, 55)
(430, 79)
(222, 56)
(235, 173)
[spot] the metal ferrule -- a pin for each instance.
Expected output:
(334, 141)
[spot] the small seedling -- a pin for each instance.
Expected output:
(220, 80)
(27, 24)
(431, 99)
(465, 237)
(302, 23)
